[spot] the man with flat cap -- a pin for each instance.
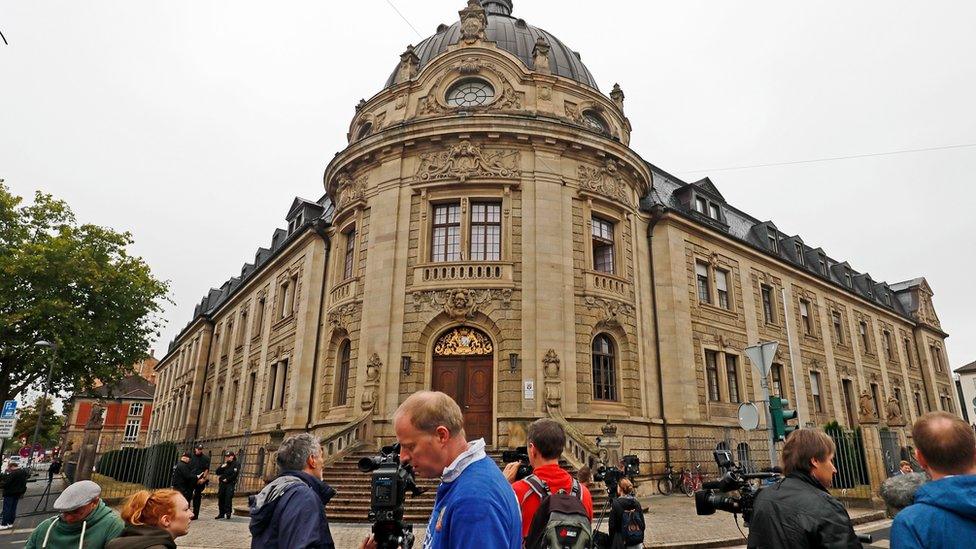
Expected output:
(83, 520)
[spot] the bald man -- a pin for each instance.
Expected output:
(944, 512)
(474, 506)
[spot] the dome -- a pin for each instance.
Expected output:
(512, 35)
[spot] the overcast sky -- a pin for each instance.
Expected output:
(194, 124)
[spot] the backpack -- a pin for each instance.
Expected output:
(561, 521)
(632, 526)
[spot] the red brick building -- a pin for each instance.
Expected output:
(127, 408)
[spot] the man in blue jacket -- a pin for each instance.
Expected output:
(289, 513)
(475, 505)
(944, 512)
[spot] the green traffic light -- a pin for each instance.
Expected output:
(781, 415)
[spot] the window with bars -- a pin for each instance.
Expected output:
(446, 236)
(711, 375)
(769, 310)
(131, 433)
(350, 257)
(722, 286)
(704, 288)
(603, 246)
(604, 368)
(815, 390)
(838, 327)
(805, 317)
(776, 374)
(732, 374)
(486, 231)
(342, 374)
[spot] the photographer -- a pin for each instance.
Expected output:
(546, 440)
(474, 506)
(798, 512)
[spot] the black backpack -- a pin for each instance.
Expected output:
(632, 525)
(561, 521)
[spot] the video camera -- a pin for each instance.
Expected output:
(520, 455)
(390, 483)
(611, 475)
(714, 495)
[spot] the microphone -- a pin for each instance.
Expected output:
(899, 491)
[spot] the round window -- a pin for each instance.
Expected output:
(470, 93)
(594, 122)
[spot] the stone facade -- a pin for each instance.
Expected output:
(352, 308)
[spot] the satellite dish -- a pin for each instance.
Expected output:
(748, 416)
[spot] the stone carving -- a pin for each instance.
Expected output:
(95, 419)
(508, 100)
(866, 408)
(926, 312)
(554, 395)
(430, 105)
(551, 364)
(349, 190)
(409, 65)
(373, 366)
(611, 310)
(465, 160)
(574, 113)
(545, 93)
(369, 399)
(617, 95)
(360, 105)
(401, 101)
(339, 318)
(606, 180)
(473, 22)
(461, 303)
(894, 413)
(540, 55)
(463, 341)
(470, 65)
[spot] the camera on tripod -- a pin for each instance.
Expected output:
(389, 485)
(611, 475)
(520, 455)
(716, 495)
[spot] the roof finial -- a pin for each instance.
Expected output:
(473, 22)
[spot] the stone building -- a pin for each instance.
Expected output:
(488, 232)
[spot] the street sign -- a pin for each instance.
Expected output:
(748, 416)
(7, 427)
(9, 409)
(762, 356)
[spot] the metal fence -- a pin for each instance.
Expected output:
(749, 448)
(851, 479)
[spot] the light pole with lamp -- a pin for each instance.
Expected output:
(47, 387)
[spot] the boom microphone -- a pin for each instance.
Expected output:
(899, 491)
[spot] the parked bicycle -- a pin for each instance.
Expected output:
(667, 483)
(692, 482)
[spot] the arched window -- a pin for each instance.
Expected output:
(364, 130)
(595, 122)
(342, 374)
(604, 368)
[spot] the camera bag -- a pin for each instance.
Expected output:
(560, 522)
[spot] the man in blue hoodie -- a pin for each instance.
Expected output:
(944, 512)
(474, 505)
(289, 513)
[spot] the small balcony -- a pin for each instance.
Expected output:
(345, 291)
(467, 273)
(606, 284)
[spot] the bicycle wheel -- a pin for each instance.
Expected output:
(665, 486)
(684, 486)
(688, 487)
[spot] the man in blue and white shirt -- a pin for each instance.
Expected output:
(475, 505)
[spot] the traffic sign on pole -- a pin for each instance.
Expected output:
(9, 409)
(762, 356)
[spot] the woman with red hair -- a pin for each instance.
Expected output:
(153, 520)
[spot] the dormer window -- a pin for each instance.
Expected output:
(799, 252)
(823, 264)
(848, 281)
(701, 206)
(595, 122)
(714, 212)
(773, 242)
(296, 222)
(708, 208)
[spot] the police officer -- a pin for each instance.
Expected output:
(184, 481)
(200, 466)
(798, 512)
(227, 474)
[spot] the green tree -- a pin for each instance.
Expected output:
(74, 284)
(50, 427)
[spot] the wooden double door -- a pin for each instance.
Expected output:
(468, 380)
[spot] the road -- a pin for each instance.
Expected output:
(27, 518)
(880, 532)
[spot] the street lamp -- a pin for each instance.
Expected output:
(47, 387)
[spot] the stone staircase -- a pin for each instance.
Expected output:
(351, 503)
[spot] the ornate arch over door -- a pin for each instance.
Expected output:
(463, 367)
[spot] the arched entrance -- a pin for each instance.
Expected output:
(463, 368)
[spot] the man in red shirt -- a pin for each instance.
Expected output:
(546, 440)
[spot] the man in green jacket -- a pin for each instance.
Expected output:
(84, 520)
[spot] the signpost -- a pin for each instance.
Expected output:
(762, 358)
(8, 420)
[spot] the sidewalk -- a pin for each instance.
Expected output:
(671, 523)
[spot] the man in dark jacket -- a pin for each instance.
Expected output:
(944, 512)
(184, 481)
(289, 513)
(227, 479)
(200, 465)
(798, 512)
(14, 482)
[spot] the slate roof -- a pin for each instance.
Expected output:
(132, 387)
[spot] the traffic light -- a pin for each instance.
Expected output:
(781, 416)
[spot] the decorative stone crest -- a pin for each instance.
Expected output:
(463, 341)
(338, 318)
(545, 93)
(540, 55)
(373, 366)
(617, 95)
(369, 399)
(606, 181)
(349, 190)
(554, 396)
(551, 364)
(611, 310)
(894, 413)
(470, 65)
(473, 22)
(409, 65)
(401, 101)
(430, 105)
(460, 303)
(465, 161)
